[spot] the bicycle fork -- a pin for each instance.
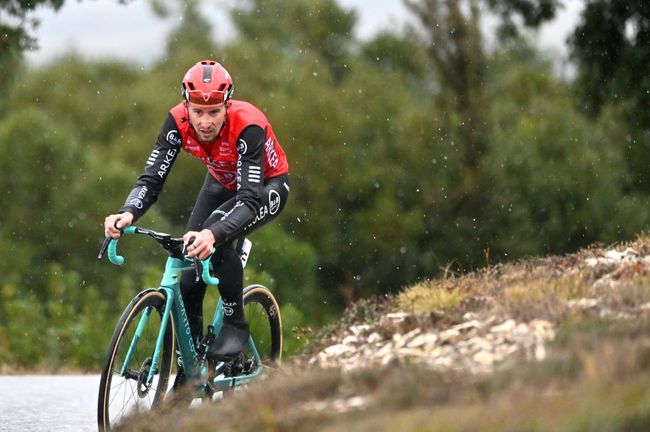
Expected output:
(142, 324)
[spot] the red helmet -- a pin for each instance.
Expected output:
(207, 83)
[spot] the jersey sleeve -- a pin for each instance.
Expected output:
(250, 181)
(149, 185)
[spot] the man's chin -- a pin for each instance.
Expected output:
(207, 137)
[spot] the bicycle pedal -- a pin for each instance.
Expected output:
(206, 341)
(249, 366)
(235, 367)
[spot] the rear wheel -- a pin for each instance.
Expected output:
(122, 394)
(263, 315)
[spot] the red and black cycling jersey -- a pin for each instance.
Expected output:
(244, 153)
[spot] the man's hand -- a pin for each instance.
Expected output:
(115, 222)
(203, 243)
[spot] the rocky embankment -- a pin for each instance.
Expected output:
(442, 355)
(478, 344)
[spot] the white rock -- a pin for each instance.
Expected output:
(384, 351)
(479, 343)
(356, 402)
(449, 336)
(504, 327)
(359, 330)
(446, 362)
(483, 358)
(388, 359)
(543, 329)
(410, 335)
(466, 325)
(584, 303)
(399, 340)
(540, 352)
(337, 350)
(350, 340)
(397, 316)
(411, 352)
(425, 340)
(614, 255)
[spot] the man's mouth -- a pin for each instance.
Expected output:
(205, 131)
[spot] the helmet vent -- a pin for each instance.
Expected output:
(207, 73)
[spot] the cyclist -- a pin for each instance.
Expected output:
(247, 185)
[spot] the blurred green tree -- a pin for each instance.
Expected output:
(611, 48)
(557, 182)
(17, 24)
(320, 28)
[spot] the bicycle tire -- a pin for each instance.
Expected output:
(121, 396)
(263, 315)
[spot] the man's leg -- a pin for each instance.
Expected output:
(234, 332)
(211, 195)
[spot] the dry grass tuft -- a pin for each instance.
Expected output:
(429, 296)
(544, 298)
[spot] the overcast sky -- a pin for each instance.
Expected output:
(105, 28)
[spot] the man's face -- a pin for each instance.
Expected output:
(207, 120)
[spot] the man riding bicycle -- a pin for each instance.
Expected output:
(247, 185)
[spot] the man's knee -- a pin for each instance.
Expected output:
(229, 267)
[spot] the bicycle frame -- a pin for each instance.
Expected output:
(193, 367)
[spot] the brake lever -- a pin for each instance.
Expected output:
(197, 268)
(107, 241)
(102, 250)
(195, 260)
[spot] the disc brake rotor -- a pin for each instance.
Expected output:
(143, 387)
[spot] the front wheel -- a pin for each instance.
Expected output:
(263, 315)
(123, 388)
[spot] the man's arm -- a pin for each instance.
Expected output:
(157, 168)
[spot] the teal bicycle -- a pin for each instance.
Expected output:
(154, 326)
